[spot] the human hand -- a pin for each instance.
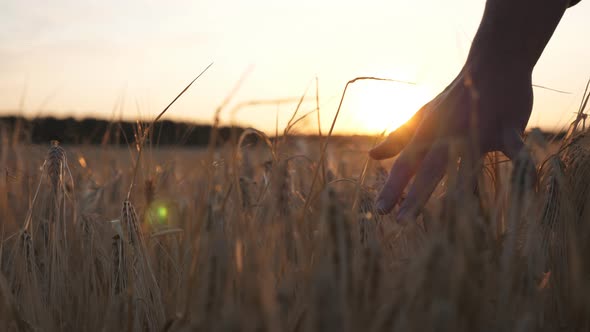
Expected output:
(482, 107)
(485, 108)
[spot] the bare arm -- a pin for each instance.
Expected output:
(516, 31)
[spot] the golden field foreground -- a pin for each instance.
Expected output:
(265, 237)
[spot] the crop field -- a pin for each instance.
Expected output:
(280, 235)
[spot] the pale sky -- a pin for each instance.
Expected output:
(82, 58)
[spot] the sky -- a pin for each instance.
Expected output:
(129, 59)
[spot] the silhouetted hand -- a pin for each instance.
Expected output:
(486, 107)
(484, 117)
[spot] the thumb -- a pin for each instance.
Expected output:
(393, 144)
(398, 139)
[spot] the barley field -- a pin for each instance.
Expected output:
(280, 235)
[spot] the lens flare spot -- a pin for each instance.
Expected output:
(82, 162)
(160, 213)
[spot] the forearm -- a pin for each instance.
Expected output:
(513, 33)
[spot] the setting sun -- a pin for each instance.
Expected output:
(79, 59)
(384, 106)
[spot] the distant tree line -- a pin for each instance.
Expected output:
(95, 131)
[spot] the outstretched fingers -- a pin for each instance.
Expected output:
(431, 172)
(405, 167)
(401, 172)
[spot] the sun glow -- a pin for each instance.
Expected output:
(384, 106)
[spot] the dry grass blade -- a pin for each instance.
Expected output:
(143, 135)
(550, 89)
(581, 116)
(119, 274)
(292, 121)
(326, 141)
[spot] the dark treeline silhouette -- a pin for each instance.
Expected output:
(95, 131)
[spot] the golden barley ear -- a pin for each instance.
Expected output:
(55, 165)
(130, 225)
(141, 279)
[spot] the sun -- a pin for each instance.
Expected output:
(384, 106)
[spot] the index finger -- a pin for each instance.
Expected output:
(405, 166)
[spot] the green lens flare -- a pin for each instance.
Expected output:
(162, 212)
(159, 213)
